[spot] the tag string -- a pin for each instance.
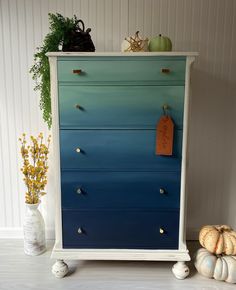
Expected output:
(165, 109)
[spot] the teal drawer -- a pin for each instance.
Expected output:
(121, 70)
(118, 189)
(114, 229)
(119, 106)
(116, 149)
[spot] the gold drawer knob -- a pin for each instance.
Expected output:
(162, 191)
(78, 150)
(80, 231)
(79, 190)
(165, 70)
(161, 230)
(77, 71)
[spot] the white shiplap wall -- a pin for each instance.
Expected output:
(206, 26)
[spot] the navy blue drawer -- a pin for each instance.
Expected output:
(117, 149)
(119, 106)
(91, 190)
(120, 229)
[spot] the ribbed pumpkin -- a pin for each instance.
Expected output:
(218, 239)
(222, 268)
(160, 43)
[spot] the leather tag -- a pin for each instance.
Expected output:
(164, 136)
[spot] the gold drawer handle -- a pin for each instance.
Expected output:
(77, 71)
(165, 70)
(77, 106)
(161, 230)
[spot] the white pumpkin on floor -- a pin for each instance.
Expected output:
(222, 268)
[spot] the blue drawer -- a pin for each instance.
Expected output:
(93, 190)
(116, 149)
(120, 229)
(119, 69)
(119, 106)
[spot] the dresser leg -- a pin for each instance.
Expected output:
(180, 270)
(60, 269)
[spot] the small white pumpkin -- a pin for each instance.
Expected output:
(134, 44)
(222, 268)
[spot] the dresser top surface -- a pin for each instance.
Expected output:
(123, 54)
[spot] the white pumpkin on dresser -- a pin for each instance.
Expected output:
(134, 43)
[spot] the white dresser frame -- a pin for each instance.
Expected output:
(60, 268)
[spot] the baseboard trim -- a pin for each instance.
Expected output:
(17, 233)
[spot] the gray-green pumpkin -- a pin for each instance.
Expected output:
(160, 43)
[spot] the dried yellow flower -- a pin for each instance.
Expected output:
(34, 166)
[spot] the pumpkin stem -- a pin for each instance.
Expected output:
(224, 228)
(159, 34)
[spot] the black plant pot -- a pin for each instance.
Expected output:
(78, 40)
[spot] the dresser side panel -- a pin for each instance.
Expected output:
(55, 164)
(184, 165)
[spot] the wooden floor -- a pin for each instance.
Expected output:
(18, 271)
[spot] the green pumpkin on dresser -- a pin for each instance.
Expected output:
(160, 43)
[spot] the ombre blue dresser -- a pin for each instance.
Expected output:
(115, 198)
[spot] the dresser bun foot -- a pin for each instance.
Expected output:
(180, 270)
(60, 269)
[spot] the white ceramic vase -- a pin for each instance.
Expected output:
(34, 231)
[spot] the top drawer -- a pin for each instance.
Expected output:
(121, 70)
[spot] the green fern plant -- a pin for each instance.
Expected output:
(60, 30)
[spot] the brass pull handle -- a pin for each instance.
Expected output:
(165, 70)
(80, 231)
(77, 71)
(161, 230)
(77, 106)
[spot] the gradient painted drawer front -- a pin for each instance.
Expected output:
(127, 190)
(120, 229)
(122, 70)
(119, 106)
(116, 193)
(116, 149)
